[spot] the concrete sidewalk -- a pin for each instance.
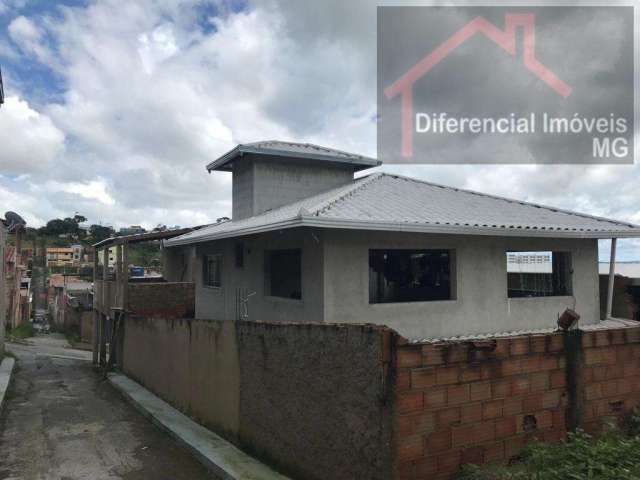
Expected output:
(221, 457)
(6, 367)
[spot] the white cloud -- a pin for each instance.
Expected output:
(29, 141)
(93, 190)
(151, 98)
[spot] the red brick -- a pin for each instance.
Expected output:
(447, 375)
(409, 357)
(470, 374)
(426, 468)
(533, 402)
(506, 427)
(544, 419)
(610, 388)
(494, 452)
(599, 373)
(632, 335)
(533, 364)
(551, 399)
(446, 417)
(473, 433)
(615, 371)
(435, 397)
(410, 448)
(588, 339)
(538, 343)
(473, 455)
(448, 463)
(554, 436)
(520, 385)
(502, 349)
(457, 394)
(556, 343)
(519, 346)
(471, 413)
(602, 339)
(514, 446)
(500, 388)
(438, 442)
(624, 386)
(403, 380)
(593, 391)
(618, 337)
(512, 406)
(512, 366)
(432, 354)
(492, 409)
(423, 377)
(538, 381)
(423, 422)
(558, 379)
(456, 353)
(409, 401)
(559, 420)
(480, 391)
(549, 363)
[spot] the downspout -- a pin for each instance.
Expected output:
(612, 274)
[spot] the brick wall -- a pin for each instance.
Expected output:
(610, 375)
(475, 402)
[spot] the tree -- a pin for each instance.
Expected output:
(99, 233)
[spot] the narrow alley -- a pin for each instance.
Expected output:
(62, 421)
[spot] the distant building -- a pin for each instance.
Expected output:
(59, 256)
(131, 230)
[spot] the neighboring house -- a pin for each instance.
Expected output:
(309, 243)
(17, 289)
(60, 256)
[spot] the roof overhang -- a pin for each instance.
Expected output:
(314, 221)
(142, 237)
(225, 162)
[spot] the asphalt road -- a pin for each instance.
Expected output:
(62, 421)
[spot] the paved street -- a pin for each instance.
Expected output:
(61, 421)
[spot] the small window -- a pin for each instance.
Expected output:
(239, 254)
(283, 273)
(211, 270)
(410, 275)
(538, 274)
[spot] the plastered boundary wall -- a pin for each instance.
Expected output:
(321, 401)
(312, 400)
(479, 402)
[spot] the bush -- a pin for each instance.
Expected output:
(23, 330)
(612, 456)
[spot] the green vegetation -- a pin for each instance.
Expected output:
(24, 330)
(615, 455)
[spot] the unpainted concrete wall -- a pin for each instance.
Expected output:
(220, 303)
(481, 304)
(310, 399)
(261, 184)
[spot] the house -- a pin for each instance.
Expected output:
(308, 242)
(3, 296)
(60, 256)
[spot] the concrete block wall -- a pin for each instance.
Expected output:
(167, 300)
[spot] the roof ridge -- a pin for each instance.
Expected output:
(357, 185)
(513, 200)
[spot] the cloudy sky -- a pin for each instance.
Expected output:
(113, 108)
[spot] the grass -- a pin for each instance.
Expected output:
(24, 330)
(614, 455)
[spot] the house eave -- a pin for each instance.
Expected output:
(317, 222)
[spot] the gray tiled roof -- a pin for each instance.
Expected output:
(391, 202)
(295, 150)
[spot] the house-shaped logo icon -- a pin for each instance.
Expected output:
(504, 38)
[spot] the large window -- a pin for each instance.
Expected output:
(212, 271)
(283, 273)
(410, 275)
(538, 274)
